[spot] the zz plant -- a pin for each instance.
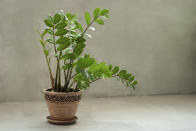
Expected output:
(64, 39)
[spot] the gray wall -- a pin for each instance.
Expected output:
(153, 39)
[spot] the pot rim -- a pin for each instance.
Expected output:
(45, 91)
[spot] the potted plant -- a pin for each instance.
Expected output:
(64, 39)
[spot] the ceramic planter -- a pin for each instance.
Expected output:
(62, 106)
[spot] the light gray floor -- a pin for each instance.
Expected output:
(145, 113)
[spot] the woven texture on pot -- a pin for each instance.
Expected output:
(62, 106)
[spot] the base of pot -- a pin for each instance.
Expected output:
(62, 122)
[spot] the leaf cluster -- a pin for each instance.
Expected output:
(64, 39)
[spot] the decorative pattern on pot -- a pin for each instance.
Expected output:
(52, 98)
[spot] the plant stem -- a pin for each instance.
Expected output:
(68, 71)
(54, 41)
(59, 82)
(95, 80)
(88, 27)
(59, 79)
(65, 73)
(69, 74)
(71, 84)
(73, 76)
(76, 87)
(57, 69)
(48, 63)
(51, 76)
(69, 78)
(55, 86)
(99, 79)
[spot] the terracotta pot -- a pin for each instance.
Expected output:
(62, 106)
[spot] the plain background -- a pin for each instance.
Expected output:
(153, 39)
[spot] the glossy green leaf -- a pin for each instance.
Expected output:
(63, 46)
(135, 82)
(46, 52)
(70, 16)
(74, 16)
(106, 16)
(50, 18)
(115, 70)
(42, 43)
(78, 26)
(82, 81)
(49, 31)
(104, 12)
(66, 66)
(84, 62)
(43, 34)
(61, 32)
(80, 40)
(99, 21)
(87, 74)
(87, 18)
(57, 18)
(62, 40)
(50, 40)
(48, 23)
(67, 50)
(79, 48)
(67, 56)
(100, 70)
(127, 76)
(122, 72)
(131, 78)
(123, 75)
(61, 25)
(110, 67)
(96, 13)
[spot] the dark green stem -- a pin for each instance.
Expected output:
(99, 79)
(57, 68)
(76, 89)
(48, 64)
(71, 84)
(88, 27)
(65, 75)
(73, 76)
(69, 77)
(56, 81)
(51, 76)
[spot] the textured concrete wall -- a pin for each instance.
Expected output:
(153, 39)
